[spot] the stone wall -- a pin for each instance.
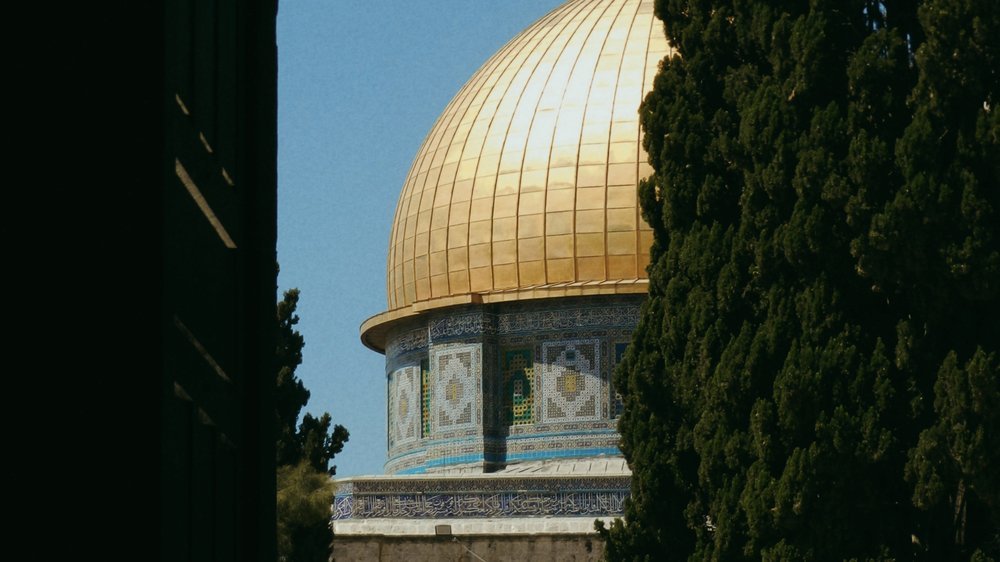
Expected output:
(549, 548)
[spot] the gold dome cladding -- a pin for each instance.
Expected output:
(528, 179)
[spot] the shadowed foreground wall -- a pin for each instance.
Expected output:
(444, 549)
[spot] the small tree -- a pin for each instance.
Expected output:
(305, 490)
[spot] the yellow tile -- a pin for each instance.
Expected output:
(439, 263)
(408, 292)
(621, 243)
(559, 223)
(459, 213)
(530, 249)
(423, 289)
(420, 267)
(562, 178)
(427, 199)
(411, 227)
(439, 286)
(558, 271)
(567, 133)
(459, 281)
(484, 187)
(590, 244)
(480, 232)
(480, 255)
(531, 272)
(595, 131)
(462, 191)
(505, 276)
(481, 279)
(593, 153)
(408, 249)
(560, 200)
(504, 229)
(560, 246)
(508, 183)
(458, 258)
(504, 252)
(488, 163)
(589, 198)
(624, 130)
(537, 159)
(621, 219)
(643, 263)
(531, 225)
(467, 169)
(621, 196)
(621, 267)
(591, 175)
(511, 160)
(418, 186)
(439, 239)
(458, 235)
(590, 269)
(442, 197)
(448, 173)
(645, 170)
(424, 221)
(622, 174)
(505, 206)
(531, 203)
(533, 180)
(420, 243)
(564, 155)
(439, 217)
(482, 209)
(645, 240)
(590, 221)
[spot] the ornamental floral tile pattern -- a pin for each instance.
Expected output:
(571, 380)
(518, 377)
(456, 386)
(404, 405)
(425, 398)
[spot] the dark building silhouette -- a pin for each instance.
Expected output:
(218, 232)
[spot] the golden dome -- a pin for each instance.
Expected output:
(526, 185)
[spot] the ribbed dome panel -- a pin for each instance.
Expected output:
(528, 178)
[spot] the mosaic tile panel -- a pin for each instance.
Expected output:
(404, 406)
(618, 405)
(507, 497)
(518, 379)
(466, 324)
(456, 389)
(403, 342)
(473, 505)
(571, 380)
(425, 398)
(577, 318)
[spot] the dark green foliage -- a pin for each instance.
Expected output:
(303, 453)
(815, 373)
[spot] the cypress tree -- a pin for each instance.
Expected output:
(814, 376)
(305, 490)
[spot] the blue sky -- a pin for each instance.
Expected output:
(360, 84)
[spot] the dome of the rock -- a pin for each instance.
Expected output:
(517, 257)
(525, 187)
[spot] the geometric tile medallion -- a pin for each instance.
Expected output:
(404, 405)
(571, 380)
(456, 374)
